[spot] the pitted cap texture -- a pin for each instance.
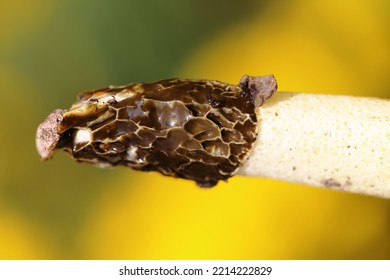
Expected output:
(194, 129)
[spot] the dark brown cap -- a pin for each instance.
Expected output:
(194, 129)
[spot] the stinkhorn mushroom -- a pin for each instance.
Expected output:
(208, 131)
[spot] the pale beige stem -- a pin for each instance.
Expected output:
(338, 142)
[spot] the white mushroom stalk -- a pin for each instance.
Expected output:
(337, 142)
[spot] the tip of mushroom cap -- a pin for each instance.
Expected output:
(260, 88)
(47, 136)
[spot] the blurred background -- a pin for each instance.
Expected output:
(52, 50)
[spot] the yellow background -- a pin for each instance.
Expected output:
(51, 50)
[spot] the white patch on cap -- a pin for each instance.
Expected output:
(83, 135)
(132, 154)
(126, 94)
(104, 99)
